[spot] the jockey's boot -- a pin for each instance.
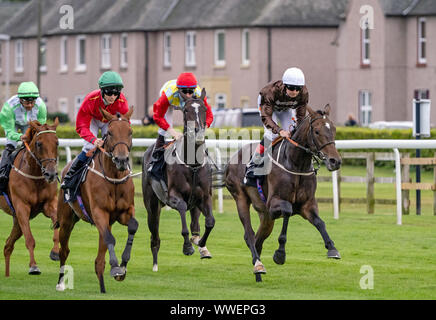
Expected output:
(156, 162)
(69, 182)
(253, 168)
(5, 165)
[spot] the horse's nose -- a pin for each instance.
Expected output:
(49, 176)
(334, 163)
(121, 162)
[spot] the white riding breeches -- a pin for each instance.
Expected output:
(283, 118)
(95, 126)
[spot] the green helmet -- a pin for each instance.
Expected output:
(110, 79)
(28, 90)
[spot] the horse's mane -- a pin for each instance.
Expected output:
(30, 132)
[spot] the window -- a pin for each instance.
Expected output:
(63, 55)
(421, 94)
(167, 49)
(366, 45)
(123, 51)
(43, 53)
(63, 105)
(77, 103)
(422, 41)
(220, 50)
(220, 100)
(245, 47)
(19, 56)
(190, 43)
(106, 51)
(365, 107)
(81, 53)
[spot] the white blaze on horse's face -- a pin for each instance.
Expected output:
(327, 125)
(196, 106)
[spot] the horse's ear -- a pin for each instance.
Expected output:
(327, 109)
(106, 115)
(203, 94)
(128, 114)
(56, 122)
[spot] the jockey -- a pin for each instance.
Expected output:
(15, 115)
(279, 101)
(89, 119)
(162, 115)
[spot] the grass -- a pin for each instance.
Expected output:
(401, 257)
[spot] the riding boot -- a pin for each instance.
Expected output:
(156, 162)
(253, 167)
(76, 166)
(5, 165)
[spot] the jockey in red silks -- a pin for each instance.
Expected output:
(90, 120)
(162, 115)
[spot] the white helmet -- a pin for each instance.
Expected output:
(294, 77)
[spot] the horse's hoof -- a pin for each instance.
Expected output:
(279, 257)
(195, 240)
(60, 287)
(117, 273)
(188, 250)
(34, 270)
(122, 276)
(259, 268)
(155, 268)
(333, 254)
(54, 255)
(204, 253)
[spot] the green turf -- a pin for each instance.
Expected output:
(402, 259)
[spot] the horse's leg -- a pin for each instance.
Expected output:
(243, 207)
(195, 225)
(280, 254)
(132, 227)
(206, 208)
(66, 222)
(311, 214)
(50, 209)
(9, 246)
(153, 215)
(265, 228)
(100, 263)
(23, 214)
(176, 202)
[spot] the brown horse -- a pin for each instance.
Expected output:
(32, 188)
(291, 166)
(106, 196)
(189, 183)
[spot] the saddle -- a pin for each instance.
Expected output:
(77, 179)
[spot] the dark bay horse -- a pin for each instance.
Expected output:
(106, 196)
(189, 182)
(32, 189)
(290, 186)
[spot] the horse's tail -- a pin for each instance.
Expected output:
(218, 178)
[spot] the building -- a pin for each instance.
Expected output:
(234, 47)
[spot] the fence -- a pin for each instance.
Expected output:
(221, 145)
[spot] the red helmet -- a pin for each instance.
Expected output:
(186, 80)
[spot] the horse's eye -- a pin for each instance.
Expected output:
(316, 132)
(109, 134)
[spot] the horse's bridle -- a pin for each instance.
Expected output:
(110, 152)
(38, 161)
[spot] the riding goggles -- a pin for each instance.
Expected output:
(111, 91)
(293, 88)
(187, 91)
(29, 99)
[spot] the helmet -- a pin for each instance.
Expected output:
(110, 79)
(28, 90)
(294, 77)
(186, 80)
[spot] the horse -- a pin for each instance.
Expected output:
(106, 196)
(291, 166)
(32, 189)
(189, 184)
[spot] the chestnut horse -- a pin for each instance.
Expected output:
(189, 182)
(32, 189)
(106, 196)
(290, 186)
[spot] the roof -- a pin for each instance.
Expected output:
(8, 9)
(97, 16)
(408, 7)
